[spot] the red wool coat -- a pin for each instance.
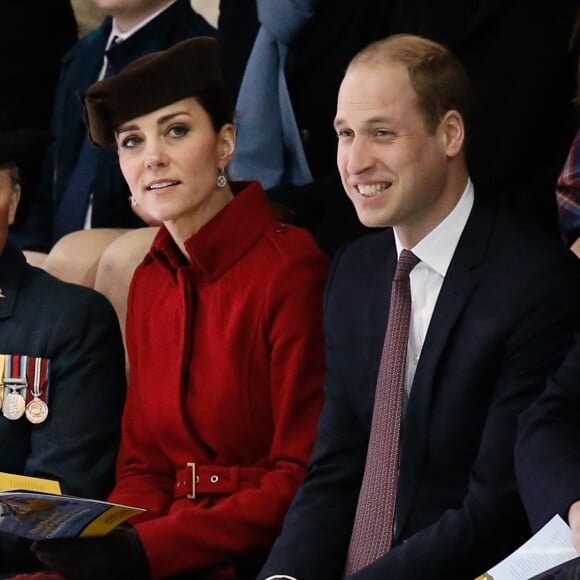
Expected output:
(227, 363)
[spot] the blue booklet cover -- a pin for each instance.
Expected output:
(41, 516)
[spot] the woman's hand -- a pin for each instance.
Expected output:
(117, 556)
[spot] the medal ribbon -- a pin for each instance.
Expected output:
(36, 408)
(15, 386)
(38, 377)
(16, 369)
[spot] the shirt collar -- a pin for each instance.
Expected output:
(121, 36)
(437, 248)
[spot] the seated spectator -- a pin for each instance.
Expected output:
(82, 186)
(548, 456)
(568, 185)
(412, 474)
(224, 334)
(69, 429)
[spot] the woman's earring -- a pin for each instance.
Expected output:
(221, 180)
(133, 201)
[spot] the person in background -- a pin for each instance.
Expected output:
(568, 197)
(224, 335)
(82, 186)
(30, 72)
(568, 185)
(64, 422)
(412, 475)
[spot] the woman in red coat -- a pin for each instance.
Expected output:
(224, 335)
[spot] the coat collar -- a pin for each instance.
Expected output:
(224, 239)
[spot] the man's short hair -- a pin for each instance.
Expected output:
(437, 76)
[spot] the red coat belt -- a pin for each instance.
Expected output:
(195, 480)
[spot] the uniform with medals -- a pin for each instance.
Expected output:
(62, 374)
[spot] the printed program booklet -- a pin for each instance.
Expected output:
(550, 546)
(34, 508)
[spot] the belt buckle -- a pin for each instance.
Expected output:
(194, 480)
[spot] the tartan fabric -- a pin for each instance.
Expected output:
(375, 514)
(568, 194)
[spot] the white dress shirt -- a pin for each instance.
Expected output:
(435, 251)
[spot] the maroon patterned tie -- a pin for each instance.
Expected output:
(373, 524)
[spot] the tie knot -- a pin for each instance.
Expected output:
(407, 261)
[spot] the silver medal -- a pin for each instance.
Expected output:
(13, 406)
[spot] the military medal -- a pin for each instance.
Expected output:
(13, 405)
(36, 408)
(36, 411)
(15, 384)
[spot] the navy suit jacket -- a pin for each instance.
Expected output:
(80, 68)
(77, 329)
(504, 319)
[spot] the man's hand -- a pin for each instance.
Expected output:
(574, 523)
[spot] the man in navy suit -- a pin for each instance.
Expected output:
(494, 309)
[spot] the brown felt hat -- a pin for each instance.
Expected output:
(150, 82)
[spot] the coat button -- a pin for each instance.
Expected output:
(280, 227)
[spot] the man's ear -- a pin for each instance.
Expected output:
(14, 200)
(452, 130)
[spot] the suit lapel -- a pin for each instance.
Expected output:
(460, 281)
(379, 320)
